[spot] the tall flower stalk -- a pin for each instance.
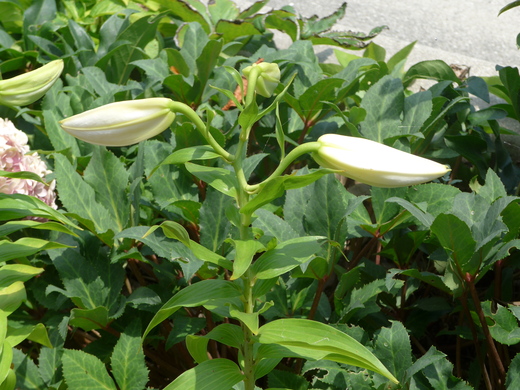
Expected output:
(125, 123)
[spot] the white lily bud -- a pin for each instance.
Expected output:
(121, 123)
(268, 79)
(373, 163)
(28, 87)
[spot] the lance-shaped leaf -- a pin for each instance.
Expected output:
(195, 295)
(11, 273)
(314, 340)
(286, 256)
(209, 375)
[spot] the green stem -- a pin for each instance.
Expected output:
(251, 84)
(186, 110)
(308, 147)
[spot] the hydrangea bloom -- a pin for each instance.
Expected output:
(15, 157)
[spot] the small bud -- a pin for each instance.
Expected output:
(373, 163)
(121, 123)
(268, 79)
(28, 87)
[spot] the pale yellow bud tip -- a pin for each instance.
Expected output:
(121, 123)
(268, 79)
(373, 163)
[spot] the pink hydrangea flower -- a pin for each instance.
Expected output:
(15, 156)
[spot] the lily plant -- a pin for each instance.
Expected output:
(254, 267)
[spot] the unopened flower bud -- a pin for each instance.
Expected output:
(121, 123)
(268, 79)
(26, 88)
(373, 163)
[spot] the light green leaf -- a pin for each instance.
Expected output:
(85, 372)
(286, 256)
(11, 273)
(315, 340)
(197, 347)
(194, 295)
(37, 333)
(25, 246)
(221, 179)
(15, 206)
(13, 226)
(11, 297)
(209, 375)
(245, 250)
(181, 156)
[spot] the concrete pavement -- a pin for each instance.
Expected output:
(464, 32)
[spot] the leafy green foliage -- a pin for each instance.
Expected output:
(294, 280)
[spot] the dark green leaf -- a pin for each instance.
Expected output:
(384, 103)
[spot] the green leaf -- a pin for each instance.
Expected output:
(400, 56)
(24, 247)
(186, 12)
(14, 226)
(230, 30)
(91, 282)
(22, 175)
(197, 347)
(214, 225)
(455, 236)
(194, 295)
(433, 70)
(326, 208)
(228, 334)
(36, 333)
(11, 273)
(79, 198)
(181, 156)
(509, 6)
(128, 361)
(207, 61)
(6, 357)
(15, 206)
(440, 376)
(221, 179)
(27, 375)
(393, 348)
(315, 340)
(286, 256)
(85, 372)
(209, 375)
(505, 327)
(107, 175)
(11, 297)
(274, 226)
(169, 183)
(139, 33)
(89, 319)
(513, 373)
(244, 252)
(275, 188)
(384, 103)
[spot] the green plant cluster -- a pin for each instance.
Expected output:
(132, 284)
